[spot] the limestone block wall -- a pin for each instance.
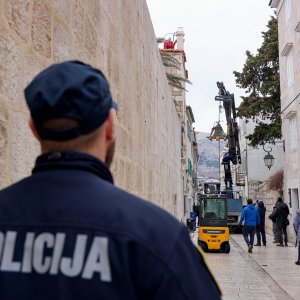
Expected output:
(289, 35)
(270, 197)
(117, 37)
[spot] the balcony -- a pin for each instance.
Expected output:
(240, 178)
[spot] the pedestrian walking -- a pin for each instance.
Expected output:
(280, 214)
(260, 229)
(66, 232)
(297, 230)
(250, 218)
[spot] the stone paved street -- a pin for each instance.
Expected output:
(268, 273)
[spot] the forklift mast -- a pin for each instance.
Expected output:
(233, 154)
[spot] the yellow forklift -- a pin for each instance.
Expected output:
(213, 230)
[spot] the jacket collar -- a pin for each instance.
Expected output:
(68, 160)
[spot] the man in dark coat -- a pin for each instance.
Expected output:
(260, 229)
(281, 215)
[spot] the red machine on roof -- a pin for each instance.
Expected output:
(169, 44)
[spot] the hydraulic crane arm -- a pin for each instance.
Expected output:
(233, 154)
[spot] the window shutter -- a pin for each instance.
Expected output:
(293, 133)
(288, 10)
(290, 69)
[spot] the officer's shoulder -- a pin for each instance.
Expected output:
(146, 221)
(128, 200)
(13, 187)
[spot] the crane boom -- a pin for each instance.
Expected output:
(233, 154)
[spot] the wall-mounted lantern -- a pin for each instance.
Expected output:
(269, 158)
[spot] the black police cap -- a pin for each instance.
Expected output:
(69, 90)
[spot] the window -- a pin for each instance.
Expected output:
(190, 168)
(293, 199)
(288, 10)
(290, 69)
(213, 209)
(293, 133)
(189, 129)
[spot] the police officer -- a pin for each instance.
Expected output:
(66, 232)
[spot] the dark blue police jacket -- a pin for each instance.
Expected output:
(67, 232)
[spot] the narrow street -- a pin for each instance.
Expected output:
(267, 273)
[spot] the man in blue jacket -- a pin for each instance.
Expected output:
(66, 232)
(250, 217)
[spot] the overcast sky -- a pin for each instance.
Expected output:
(217, 35)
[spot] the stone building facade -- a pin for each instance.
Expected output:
(253, 166)
(288, 12)
(189, 148)
(191, 163)
(117, 37)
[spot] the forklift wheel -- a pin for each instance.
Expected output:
(203, 245)
(225, 248)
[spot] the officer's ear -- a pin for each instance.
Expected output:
(33, 129)
(110, 127)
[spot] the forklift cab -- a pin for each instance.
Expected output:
(212, 187)
(213, 211)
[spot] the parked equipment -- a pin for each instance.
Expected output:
(218, 210)
(213, 232)
(234, 201)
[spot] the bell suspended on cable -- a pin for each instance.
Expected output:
(217, 132)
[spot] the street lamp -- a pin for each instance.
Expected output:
(269, 158)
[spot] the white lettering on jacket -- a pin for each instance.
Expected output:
(43, 253)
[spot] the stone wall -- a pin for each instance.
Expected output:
(270, 197)
(289, 50)
(118, 37)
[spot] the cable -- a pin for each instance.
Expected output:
(290, 104)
